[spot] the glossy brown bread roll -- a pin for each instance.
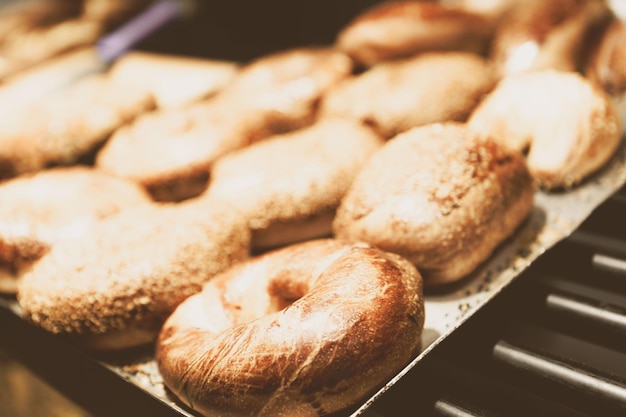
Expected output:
(399, 29)
(303, 331)
(112, 288)
(289, 186)
(438, 198)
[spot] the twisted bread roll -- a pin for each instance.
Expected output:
(303, 331)
(438, 198)
(569, 126)
(113, 288)
(38, 210)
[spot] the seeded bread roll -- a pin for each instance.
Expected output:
(171, 152)
(41, 209)
(67, 125)
(289, 186)
(113, 288)
(438, 198)
(395, 96)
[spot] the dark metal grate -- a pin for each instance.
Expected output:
(553, 343)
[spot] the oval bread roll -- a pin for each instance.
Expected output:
(438, 198)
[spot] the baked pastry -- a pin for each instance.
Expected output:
(395, 96)
(38, 210)
(607, 66)
(112, 288)
(66, 125)
(171, 152)
(287, 86)
(174, 80)
(400, 29)
(438, 198)
(303, 331)
(289, 186)
(539, 34)
(39, 30)
(568, 127)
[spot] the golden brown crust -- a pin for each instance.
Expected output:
(607, 67)
(547, 35)
(69, 124)
(173, 80)
(170, 152)
(303, 331)
(38, 210)
(131, 271)
(287, 86)
(395, 96)
(41, 30)
(439, 199)
(571, 126)
(275, 94)
(291, 178)
(400, 29)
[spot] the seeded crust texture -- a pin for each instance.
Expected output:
(171, 152)
(439, 199)
(395, 96)
(126, 276)
(67, 125)
(38, 210)
(292, 178)
(303, 331)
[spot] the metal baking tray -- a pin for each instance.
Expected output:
(554, 217)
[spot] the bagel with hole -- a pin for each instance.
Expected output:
(306, 330)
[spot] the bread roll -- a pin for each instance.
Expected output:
(113, 288)
(540, 35)
(304, 331)
(289, 186)
(41, 209)
(395, 96)
(400, 29)
(171, 152)
(66, 125)
(568, 127)
(174, 80)
(438, 198)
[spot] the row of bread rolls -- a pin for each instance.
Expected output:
(409, 200)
